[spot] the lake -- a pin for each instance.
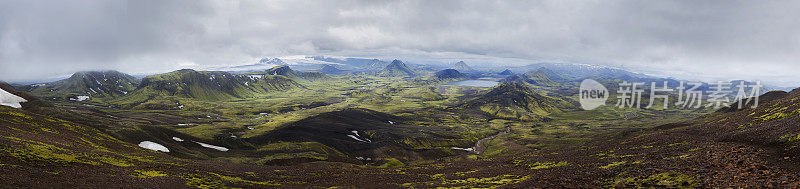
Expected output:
(474, 83)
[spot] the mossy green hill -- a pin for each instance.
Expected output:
(540, 77)
(516, 101)
(92, 84)
(544, 76)
(208, 85)
(397, 69)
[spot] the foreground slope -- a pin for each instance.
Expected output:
(749, 148)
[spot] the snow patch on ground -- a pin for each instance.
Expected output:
(354, 137)
(8, 99)
(153, 146)
(465, 149)
(81, 98)
(358, 137)
(212, 146)
(177, 139)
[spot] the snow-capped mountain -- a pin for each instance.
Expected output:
(307, 63)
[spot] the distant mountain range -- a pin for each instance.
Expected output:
(308, 63)
(577, 71)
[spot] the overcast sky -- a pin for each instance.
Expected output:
(685, 39)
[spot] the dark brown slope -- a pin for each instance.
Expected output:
(751, 148)
(368, 134)
(749, 103)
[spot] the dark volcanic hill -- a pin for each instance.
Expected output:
(397, 69)
(449, 74)
(89, 85)
(209, 85)
(288, 72)
(517, 101)
(366, 133)
(506, 72)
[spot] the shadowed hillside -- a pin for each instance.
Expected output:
(368, 134)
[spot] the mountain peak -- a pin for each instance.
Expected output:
(280, 70)
(275, 61)
(462, 67)
(397, 68)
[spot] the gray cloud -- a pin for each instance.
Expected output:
(693, 39)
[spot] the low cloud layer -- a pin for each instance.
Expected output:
(690, 39)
